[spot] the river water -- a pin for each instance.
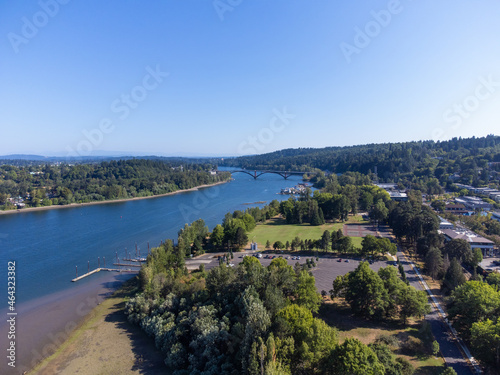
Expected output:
(47, 246)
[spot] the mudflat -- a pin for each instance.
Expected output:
(106, 343)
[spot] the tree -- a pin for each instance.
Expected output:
(455, 275)
(435, 348)
(325, 240)
(459, 249)
(268, 244)
(365, 292)
(278, 245)
(449, 371)
(434, 262)
(354, 358)
(379, 212)
(477, 257)
(344, 245)
(471, 302)
(413, 303)
(485, 342)
(306, 292)
(241, 238)
(370, 245)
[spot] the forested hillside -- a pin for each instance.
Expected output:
(409, 162)
(45, 185)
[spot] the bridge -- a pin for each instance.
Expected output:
(256, 174)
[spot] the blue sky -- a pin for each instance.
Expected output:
(234, 77)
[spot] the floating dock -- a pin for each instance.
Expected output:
(98, 270)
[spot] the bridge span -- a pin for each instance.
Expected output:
(257, 174)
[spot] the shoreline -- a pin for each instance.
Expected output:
(123, 200)
(45, 324)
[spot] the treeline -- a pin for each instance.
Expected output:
(195, 238)
(415, 225)
(335, 201)
(380, 295)
(424, 165)
(46, 185)
(246, 320)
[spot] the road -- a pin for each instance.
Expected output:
(449, 348)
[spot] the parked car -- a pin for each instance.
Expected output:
(347, 260)
(340, 260)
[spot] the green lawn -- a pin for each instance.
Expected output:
(276, 229)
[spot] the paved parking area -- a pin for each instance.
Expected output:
(361, 230)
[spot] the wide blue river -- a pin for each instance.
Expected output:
(48, 245)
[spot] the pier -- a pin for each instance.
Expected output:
(99, 270)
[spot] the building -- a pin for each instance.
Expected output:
(495, 215)
(398, 196)
(474, 203)
(444, 224)
(387, 186)
(457, 209)
(475, 241)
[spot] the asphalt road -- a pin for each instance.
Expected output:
(449, 348)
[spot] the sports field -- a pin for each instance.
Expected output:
(276, 229)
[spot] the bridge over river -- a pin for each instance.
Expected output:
(256, 174)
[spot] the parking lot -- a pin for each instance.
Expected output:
(327, 268)
(362, 230)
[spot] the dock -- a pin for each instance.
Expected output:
(98, 270)
(127, 265)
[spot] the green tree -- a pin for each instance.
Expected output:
(365, 292)
(306, 292)
(485, 342)
(241, 238)
(471, 302)
(459, 249)
(217, 237)
(413, 303)
(435, 348)
(354, 358)
(434, 262)
(325, 240)
(455, 275)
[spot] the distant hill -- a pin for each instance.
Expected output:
(422, 160)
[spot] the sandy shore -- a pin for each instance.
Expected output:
(43, 325)
(73, 205)
(106, 343)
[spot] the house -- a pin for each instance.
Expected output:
(476, 242)
(495, 215)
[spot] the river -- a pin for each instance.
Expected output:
(47, 246)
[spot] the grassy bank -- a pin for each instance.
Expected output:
(106, 343)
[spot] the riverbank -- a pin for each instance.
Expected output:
(73, 205)
(43, 325)
(106, 343)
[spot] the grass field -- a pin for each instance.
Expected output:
(340, 317)
(277, 229)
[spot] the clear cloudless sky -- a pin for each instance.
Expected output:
(75, 76)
